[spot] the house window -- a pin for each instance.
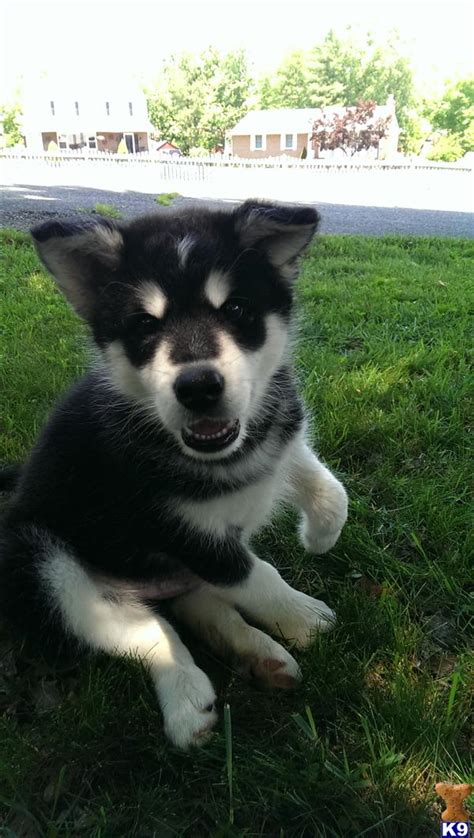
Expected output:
(107, 108)
(258, 142)
(288, 142)
(76, 108)
(130, 108)
(92, 142)
(51, 105)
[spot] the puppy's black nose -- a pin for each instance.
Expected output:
(199, 388)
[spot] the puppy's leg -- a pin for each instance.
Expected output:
(225, 631)
(266, 598)
(101, 619)
(320, 496)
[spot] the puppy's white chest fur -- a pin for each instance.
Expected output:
(248, 508)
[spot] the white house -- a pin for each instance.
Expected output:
(73, 114)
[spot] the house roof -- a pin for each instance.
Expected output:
(278, 121)
(162, 144)
(295, 120)
(92, 94)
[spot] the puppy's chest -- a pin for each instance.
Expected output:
(248, 508)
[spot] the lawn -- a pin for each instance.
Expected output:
(383, 358)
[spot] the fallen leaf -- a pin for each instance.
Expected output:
(371, 588)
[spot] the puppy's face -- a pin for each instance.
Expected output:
(190, 310)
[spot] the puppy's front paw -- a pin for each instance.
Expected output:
(188, 705)
(301, 617)
(317, 540)
(320, 529)
(270, 665)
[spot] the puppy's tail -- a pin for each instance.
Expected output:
(9, 477)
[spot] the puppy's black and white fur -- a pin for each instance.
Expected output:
(150, 478)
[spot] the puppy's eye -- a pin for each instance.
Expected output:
(145, 323)
(237, 311)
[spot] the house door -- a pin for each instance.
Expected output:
(130, 141)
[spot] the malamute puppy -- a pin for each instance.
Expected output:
(152, 475)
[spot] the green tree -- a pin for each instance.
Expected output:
(454, 114)
(12, 124)
(198, 98)
(446, 148)
(229, 88)
(342, 70)
(335, 71)
(289, 87)
(345, 69)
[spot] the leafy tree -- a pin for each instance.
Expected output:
(12, 124)
(177, 102)
(335, 71)
(344, 71)
(228, 94)
(197, 98)
(455, 115)
(446, 148)
(289, 87)
(354, 129)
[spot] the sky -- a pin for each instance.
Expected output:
(113, 38)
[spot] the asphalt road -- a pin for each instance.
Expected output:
(22, 206)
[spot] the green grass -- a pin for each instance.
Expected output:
(166, 198)
(384, 712)
(107, 210)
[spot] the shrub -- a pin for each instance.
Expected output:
(12, 125)
(447, 148)
(199, 151)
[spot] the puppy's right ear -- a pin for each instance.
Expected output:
(82, 257)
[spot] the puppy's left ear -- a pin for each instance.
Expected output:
(283, 230)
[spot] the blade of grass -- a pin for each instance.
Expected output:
(452, 693)
(229, 763)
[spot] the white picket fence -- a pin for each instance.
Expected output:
(416, 183)
(59, 158)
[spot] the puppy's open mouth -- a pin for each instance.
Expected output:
(211, 434)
